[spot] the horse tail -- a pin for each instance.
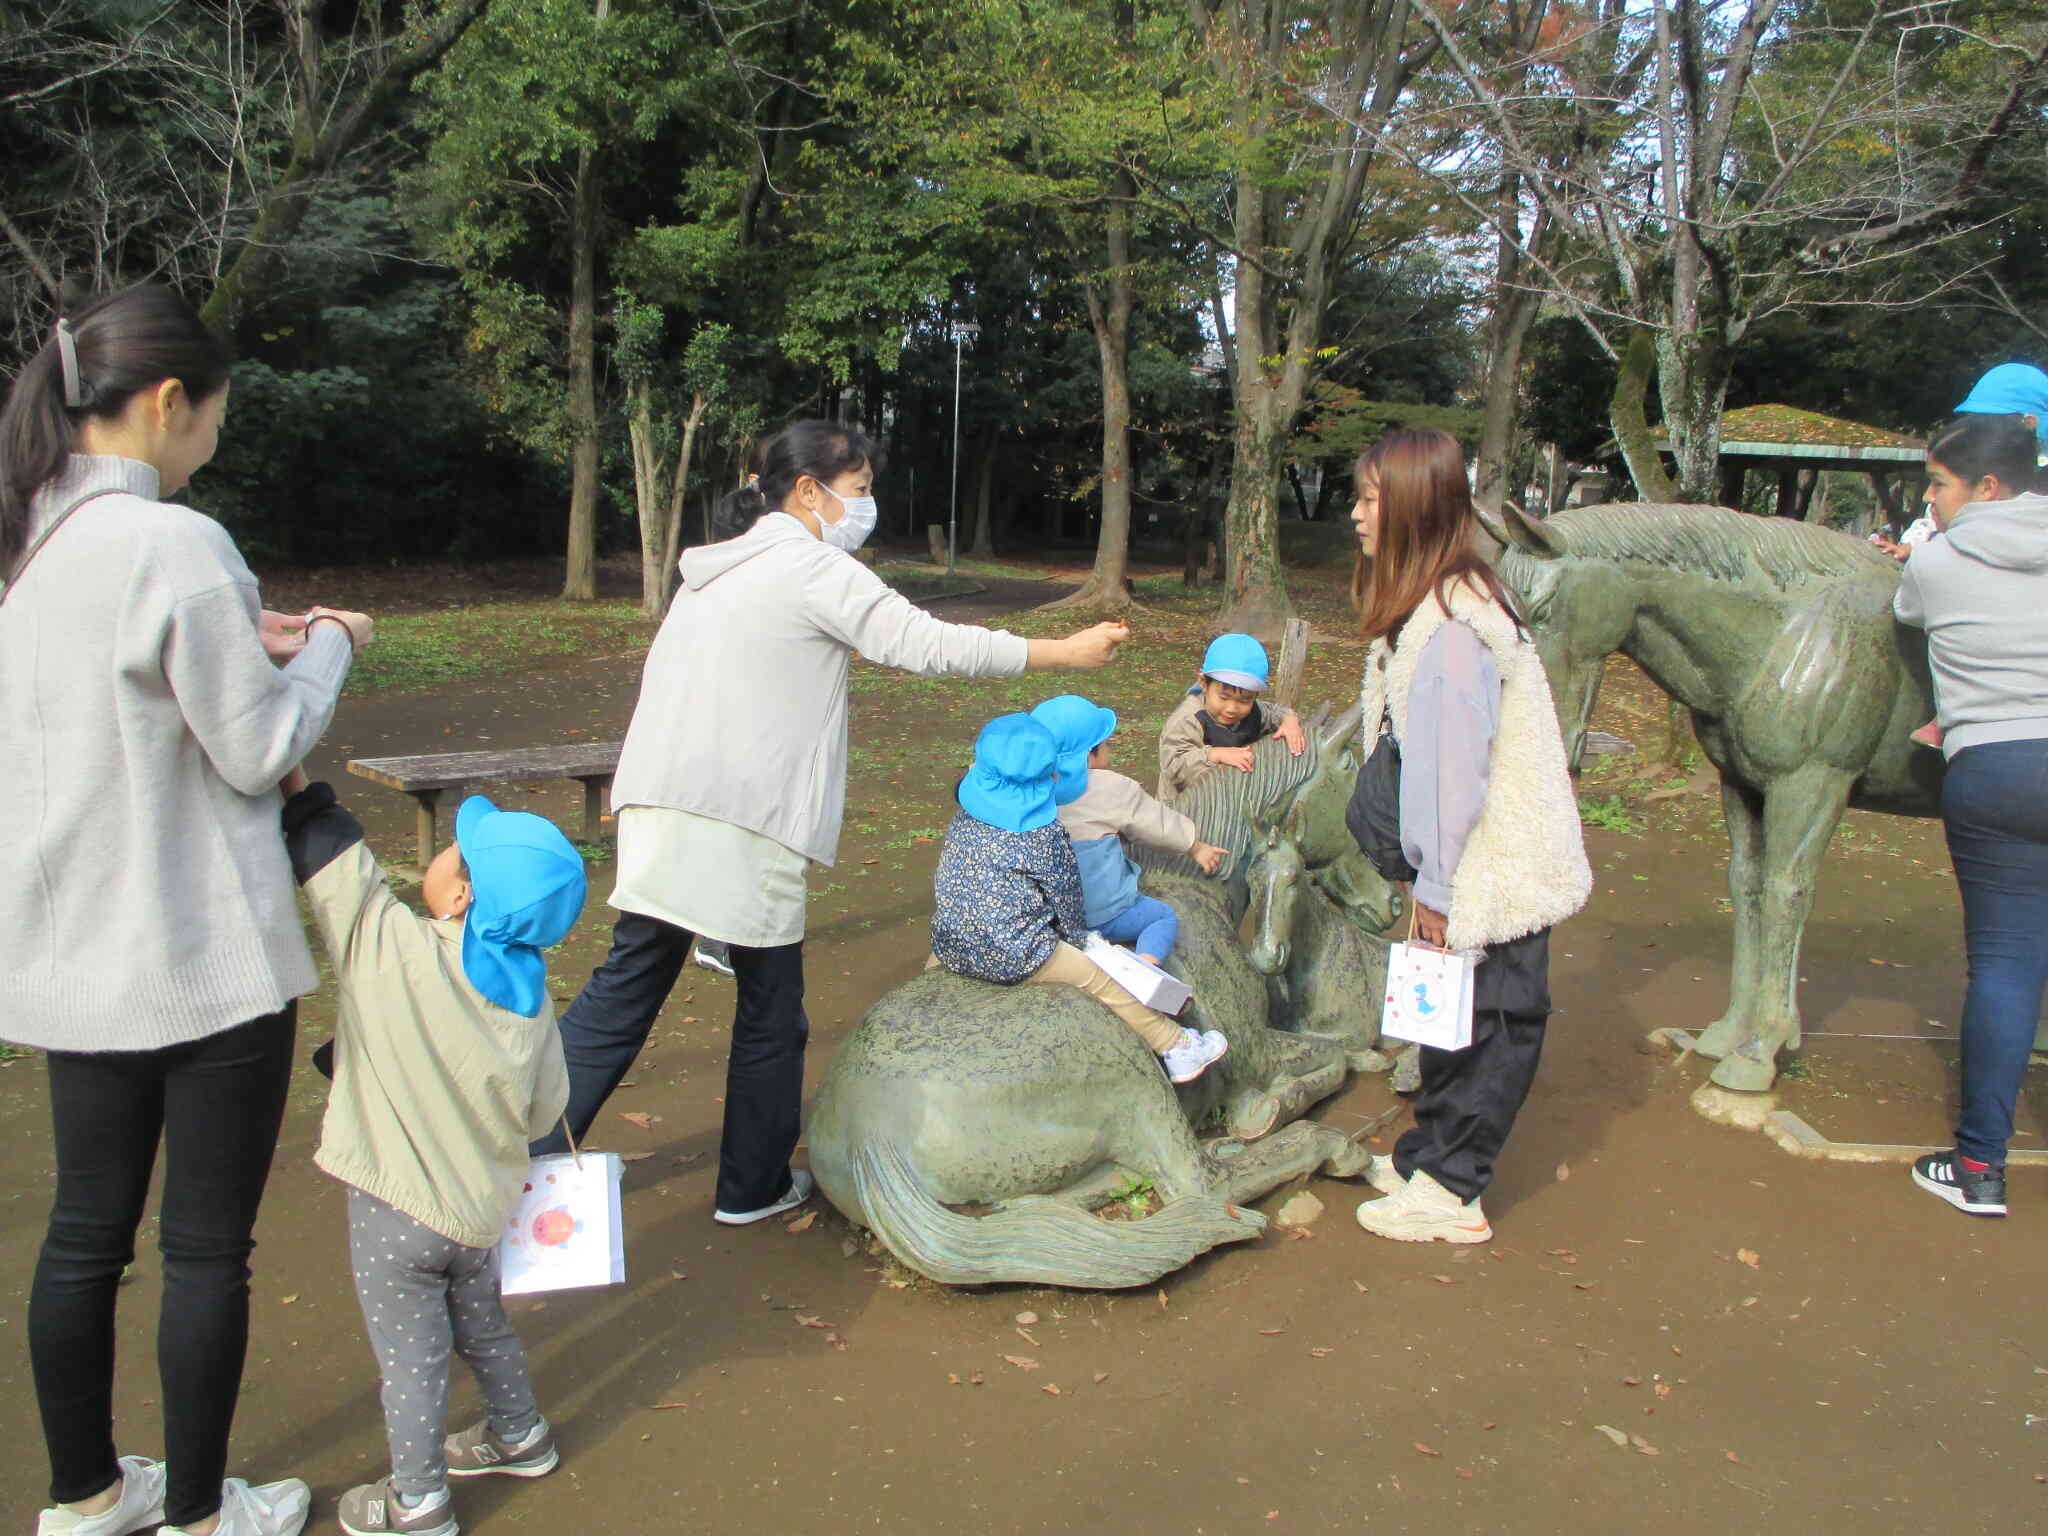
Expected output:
(1034, 1240)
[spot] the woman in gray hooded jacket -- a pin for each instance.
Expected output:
(733, 780)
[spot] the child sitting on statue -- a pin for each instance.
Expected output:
(1008, 892)
(1221, 718)
(1098, 809)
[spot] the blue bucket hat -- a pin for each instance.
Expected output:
(2012, 389)
(1237, 660)
(1010, 784)
(526, 887)
(1078, 727)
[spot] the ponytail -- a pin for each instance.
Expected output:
(94, 363)
(824, 450)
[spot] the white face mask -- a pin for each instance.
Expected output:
(856, 521)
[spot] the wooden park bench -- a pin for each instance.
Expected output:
(591, 764)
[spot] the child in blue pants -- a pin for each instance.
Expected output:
(1098, 809)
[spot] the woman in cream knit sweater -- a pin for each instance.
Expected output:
(1488, 820)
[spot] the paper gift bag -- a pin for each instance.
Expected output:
(1429, 996)
(1145, 981)
(566, 1231)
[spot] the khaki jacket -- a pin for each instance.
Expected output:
(1184, 756)
(437, 1090)
(1113, 805)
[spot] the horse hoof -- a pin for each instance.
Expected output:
(1718, 1039)
(1255, 1116)
(1745, 1073)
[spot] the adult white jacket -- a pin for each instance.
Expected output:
(742, 711)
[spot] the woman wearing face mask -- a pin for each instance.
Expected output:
(733, 779)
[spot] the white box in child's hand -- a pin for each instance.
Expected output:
(1142, 979)
(1429, 996)
(567, 1231)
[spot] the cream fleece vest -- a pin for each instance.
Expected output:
(1524, 866)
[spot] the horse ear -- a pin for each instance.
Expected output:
(1517, 529)
(1340, 730)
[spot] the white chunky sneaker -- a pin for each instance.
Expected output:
(1196, 1053)
(264, 1509)
(140, 1506)
(1423, 1211)
(1383, 1176)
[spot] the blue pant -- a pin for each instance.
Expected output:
(1148, 925)
(1994, 807)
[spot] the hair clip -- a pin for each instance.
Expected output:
(67, 358)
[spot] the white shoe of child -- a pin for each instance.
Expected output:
(1194, 1055)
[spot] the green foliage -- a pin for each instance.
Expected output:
(1611, 814)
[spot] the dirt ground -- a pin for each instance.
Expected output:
(1805, 1346)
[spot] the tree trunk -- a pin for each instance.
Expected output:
(647, 497)
(1625, 415)
(1692, 379)
(580, 577)
(672, 528)
(1255, 598)
(1514, 311)
(984, 496)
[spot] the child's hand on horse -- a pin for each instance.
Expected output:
(1207, 855)
(1232, 757)
(1291, 732)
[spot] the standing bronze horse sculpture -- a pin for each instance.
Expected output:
(1779, 638)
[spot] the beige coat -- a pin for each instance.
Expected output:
(1524, 866)
(437, 1090)
(1115, 805)
(1184, 757)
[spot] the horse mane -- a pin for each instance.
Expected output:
(1223, 802)
(1713, 541)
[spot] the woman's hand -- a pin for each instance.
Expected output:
(294, 781)
(283, 634)
(1231, 757)
(1208, 856)
(1431, 926)
(362, 629)
(1082, 651)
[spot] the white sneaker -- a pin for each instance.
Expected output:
(1196, 1053)
(1423, 1211)
(715, 955)
(141, 1505)
(1383, 1176)
(265, 1509)
(800, 1187)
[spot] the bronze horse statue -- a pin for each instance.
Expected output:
(974, 1127)
(1779, 638)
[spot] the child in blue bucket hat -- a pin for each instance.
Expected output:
(1008, 904)
(1098, 809)
(446, 1063)
(1220, 719)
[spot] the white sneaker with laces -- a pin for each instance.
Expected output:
(1423, 1211)
(800, 1186)
(262, 1509)
(715, 955)
(140, 1506)
(1383, 1176)
(1197, 1052)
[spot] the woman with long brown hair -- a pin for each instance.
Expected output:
(1488, 826)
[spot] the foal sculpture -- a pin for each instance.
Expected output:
(973, 1127)
(1779, 638)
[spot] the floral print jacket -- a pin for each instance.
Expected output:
(1004, 899)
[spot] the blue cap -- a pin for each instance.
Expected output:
(526, 888)
(1078, 727)
(1238, 660)
(2012, 389)
(1010, 784)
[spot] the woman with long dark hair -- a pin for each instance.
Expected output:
(1488, 826)
(1981, 593)
(733, 780)
(153, 944)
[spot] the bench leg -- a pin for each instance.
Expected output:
(427, 847)
(595, 790)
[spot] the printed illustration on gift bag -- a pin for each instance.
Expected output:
(1429, 994)
(566, 1231)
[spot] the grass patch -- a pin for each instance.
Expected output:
(922, 583)
(1612, 813)
(418, 650)
(12, 1052)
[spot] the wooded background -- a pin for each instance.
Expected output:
(509, 277)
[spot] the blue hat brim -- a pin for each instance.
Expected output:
(1235, 679)
(513, 976)
(1005, 803)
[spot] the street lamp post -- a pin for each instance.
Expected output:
(962, 331)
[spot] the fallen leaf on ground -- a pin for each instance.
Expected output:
(1298, 1233)
(1022, 1362)
(1270, 1332)
(835, 1341)
(1631, 1381)
(637, 1117)
(1427, 1450)
(1443, 1279)
(1748, 1256)
(952, 1379)
(1162, 1301)
(1026, 1319)
(1362, 1289)
(1321, 1351)
(1644, 1446)
(1750, 1301)
(1663, 1389)
(1051, 1389)
(686, 1159)
(1027, 1338)
(1564, 1171)
(976, 1379)
(1101, 1377)
(802, 1321)
(634, 1157)
(1617, 1436)
(1731, 1456)
(288, 1300)
(802, 1223)
(1464, 1471)
(1244, 1482)
(677, 1274)
(660, 1406)
(1584, 1285)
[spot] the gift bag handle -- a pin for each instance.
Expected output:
(571, 1135)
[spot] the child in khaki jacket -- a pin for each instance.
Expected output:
(1098, 809)
(446, 1063)
(1221, 719)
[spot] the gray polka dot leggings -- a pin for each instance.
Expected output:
(425, 1296)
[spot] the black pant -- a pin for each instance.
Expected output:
(216, 1104)
(604, 1029)
(1470, 1098)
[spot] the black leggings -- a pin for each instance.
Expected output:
(216, 1104)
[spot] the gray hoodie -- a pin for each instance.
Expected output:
(1981, 593)
(742, 711)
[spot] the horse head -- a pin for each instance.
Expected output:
(1579, 612)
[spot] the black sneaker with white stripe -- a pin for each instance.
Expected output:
(1978, 1194)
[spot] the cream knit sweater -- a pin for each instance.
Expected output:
(1524, 866)
(145, 897)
